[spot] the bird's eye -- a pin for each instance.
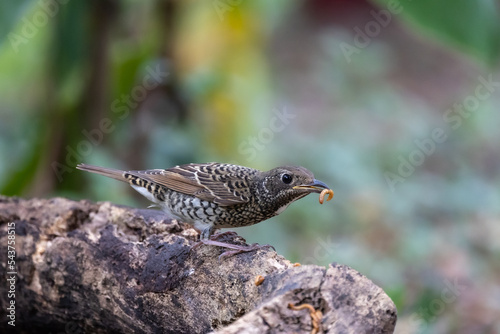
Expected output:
(286, 178)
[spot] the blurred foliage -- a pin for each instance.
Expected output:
(152, 84)
(471, 25)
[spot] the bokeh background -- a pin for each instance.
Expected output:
(394, 104)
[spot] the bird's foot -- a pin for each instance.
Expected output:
(228, 236)
(221, 238)
(235, 249)
(225, 234)
(242, 249)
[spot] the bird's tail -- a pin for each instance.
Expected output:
(109, 172)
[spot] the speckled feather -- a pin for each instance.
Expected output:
(215, 195)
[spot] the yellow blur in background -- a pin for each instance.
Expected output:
(393, 104)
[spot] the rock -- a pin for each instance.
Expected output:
(86, 267)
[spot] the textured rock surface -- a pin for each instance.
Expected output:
(88, 267)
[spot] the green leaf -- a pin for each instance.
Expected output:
(473, 26)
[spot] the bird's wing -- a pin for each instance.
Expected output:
(223, 184)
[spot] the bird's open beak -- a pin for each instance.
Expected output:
(315, 187)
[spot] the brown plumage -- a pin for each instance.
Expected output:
(214, 195)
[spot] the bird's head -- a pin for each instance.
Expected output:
(289, 183)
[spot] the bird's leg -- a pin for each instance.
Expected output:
(207, 239)
(224, 234)
(243, 249)
(236, 249)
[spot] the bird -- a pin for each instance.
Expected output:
(210, 196)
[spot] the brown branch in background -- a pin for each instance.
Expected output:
(163, 105)
(75, 49)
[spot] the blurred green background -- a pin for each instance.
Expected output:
(395, 105)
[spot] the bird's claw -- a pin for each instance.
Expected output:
(224, 234)
(234, 249)
(243, 249)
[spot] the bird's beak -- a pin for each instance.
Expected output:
(315, 187)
